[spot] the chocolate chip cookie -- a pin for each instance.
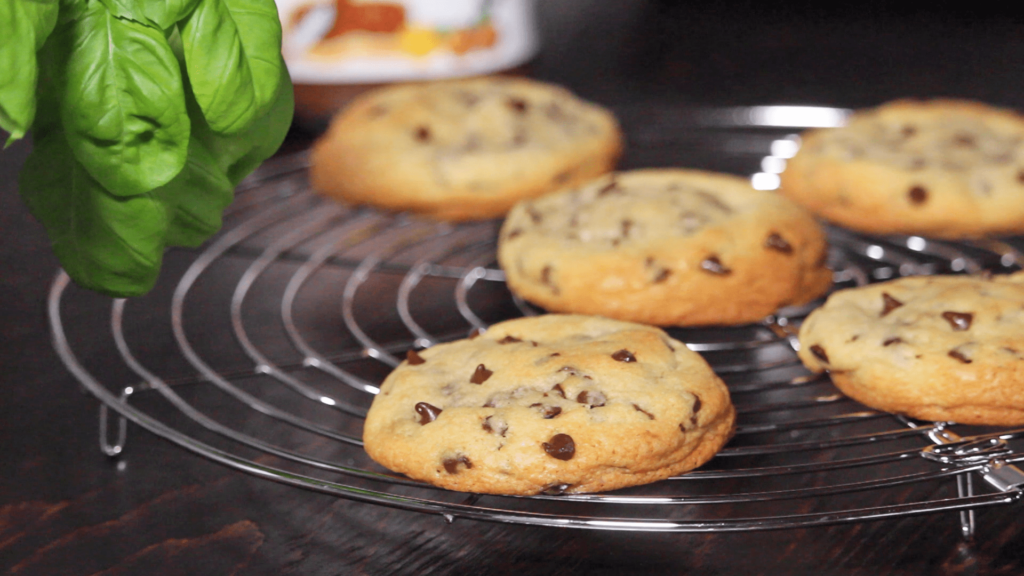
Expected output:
(664, 247)
(550, 404)
(940, 168)
(936, 347)
(463, 149)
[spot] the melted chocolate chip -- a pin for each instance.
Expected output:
(954, 353)
(554, 112)
(422, 134)
(518, 105)
(608, 188)
(778, 243)
(560, 447)
(500, 428)
(662, 275)
(713, 265)
(819, 353)
(645, 412)
(548, 412)
(917, 195)
(413, 358)
(889, 303)
(965, 140)
(714, 201)
(960, 321)
(535, 216)
(891, 341)
(624, 356)
(558, 388)
(480, 375)
(556, 489)
(451, 465)
(509, 340)
(592, 399)
(428, 412)
(553, 354)
(696, 409)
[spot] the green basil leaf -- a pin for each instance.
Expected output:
(122, 102)
(110, 244)
(162, 14)
(24, 25)
(233, 55)
(216, 164)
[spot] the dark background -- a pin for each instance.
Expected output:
(67, 509)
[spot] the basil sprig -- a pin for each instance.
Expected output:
(145, 116)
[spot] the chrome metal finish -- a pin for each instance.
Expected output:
(281, 353)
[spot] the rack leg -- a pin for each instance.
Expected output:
(965, 487)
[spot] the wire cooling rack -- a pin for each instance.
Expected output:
(262, 351)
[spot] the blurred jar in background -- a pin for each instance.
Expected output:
(336, 49)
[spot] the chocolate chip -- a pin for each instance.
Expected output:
(696, 409)
(965, 140)
(954, 353)
(555, 112)
(545, 278)
(662, 275)
(960, 321)
(509, 340)
(518, 105)
(413, 358)
(451, 465)
(514, 234)
(624, 356)
(480, 375)
(819, 353)
(428, 412)
(889, 304)
(553, 354)
(646, 413)
(560, 447)
(917, 195)
(891, 341)
(713, 265)
(558, 388)
(778, 243)
(422, 134)
(609, 188)
(556, 489)
(548, 412)
(499, 428)
(714, 201)
(592, 399)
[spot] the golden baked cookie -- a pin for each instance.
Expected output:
(940, 168)
(550, 404)
(932, 347)
(664, 247)
(463, 149)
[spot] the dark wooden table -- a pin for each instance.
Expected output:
(67, 509)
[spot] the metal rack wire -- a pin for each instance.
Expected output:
(286, 322)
